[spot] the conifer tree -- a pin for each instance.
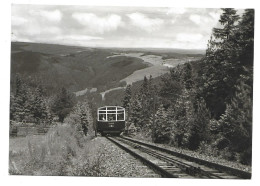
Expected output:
(221, 65)
(142, 104)
(81, 116)
(150, 84)
(127, 104)
(187, 76)
(150, 104)
(63, 104)
(127, 98)
(200, 130)
(183, 117)
(228, 19)
(136, 112)
(144, 86)
(20, 104)
(245, 38)
(170, 121)
(236, 123)
(171, 86)
(84, 116)
(39, 109)
(162, 130)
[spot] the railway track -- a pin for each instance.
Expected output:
(172, 164)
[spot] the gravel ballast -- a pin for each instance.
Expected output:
(212, 159)
(118, 163)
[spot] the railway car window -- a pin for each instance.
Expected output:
(102, 117)
(111, 117)
(120, 116)
(111, 113)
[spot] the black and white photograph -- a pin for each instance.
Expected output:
(131, 91)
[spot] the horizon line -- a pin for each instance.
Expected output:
(203, 49)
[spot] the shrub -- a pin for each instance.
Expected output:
(208, 149)
(63, 151)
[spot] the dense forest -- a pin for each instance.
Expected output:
(204, 105)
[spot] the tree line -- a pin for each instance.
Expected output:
(31, 105)
(204, 105)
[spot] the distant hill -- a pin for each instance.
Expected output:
(73, 67)
(45, 48)
(82, 68)
(160, 50)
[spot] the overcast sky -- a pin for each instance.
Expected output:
(114, 26)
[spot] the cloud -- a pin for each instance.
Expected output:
(78, 38)
(207, 21)
(114, 26)
(21, 39)
(195, 18)
(215, 15)
(188, 45)
(145, 23)
(176, 11)
(33, 30)
(53, 16)
(18, 21)
(98, 24)
(185, 37)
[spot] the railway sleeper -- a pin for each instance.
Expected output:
(231, 172)
(184, 167)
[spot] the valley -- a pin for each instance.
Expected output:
(98, 71)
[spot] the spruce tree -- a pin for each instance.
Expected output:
(144, 86)
(63, 104)
(86, 117)
(162, 130)
(245, 37)
(183, 117)
(245, 41)
(221, 67)
(39, 109)
(187, 77)
(127, 97)
(228, 20)
(127, 104)
(236, 123)
(170, 121)
(200, 129)
(81, 117)
(21, 102)
(171, 86)
(136, 112)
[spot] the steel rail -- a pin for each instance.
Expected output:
(195, 171)
(226, 169)
(164, 173)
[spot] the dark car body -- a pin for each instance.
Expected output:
(110, 120)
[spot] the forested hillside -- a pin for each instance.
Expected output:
(57, 66)
(204, 105)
